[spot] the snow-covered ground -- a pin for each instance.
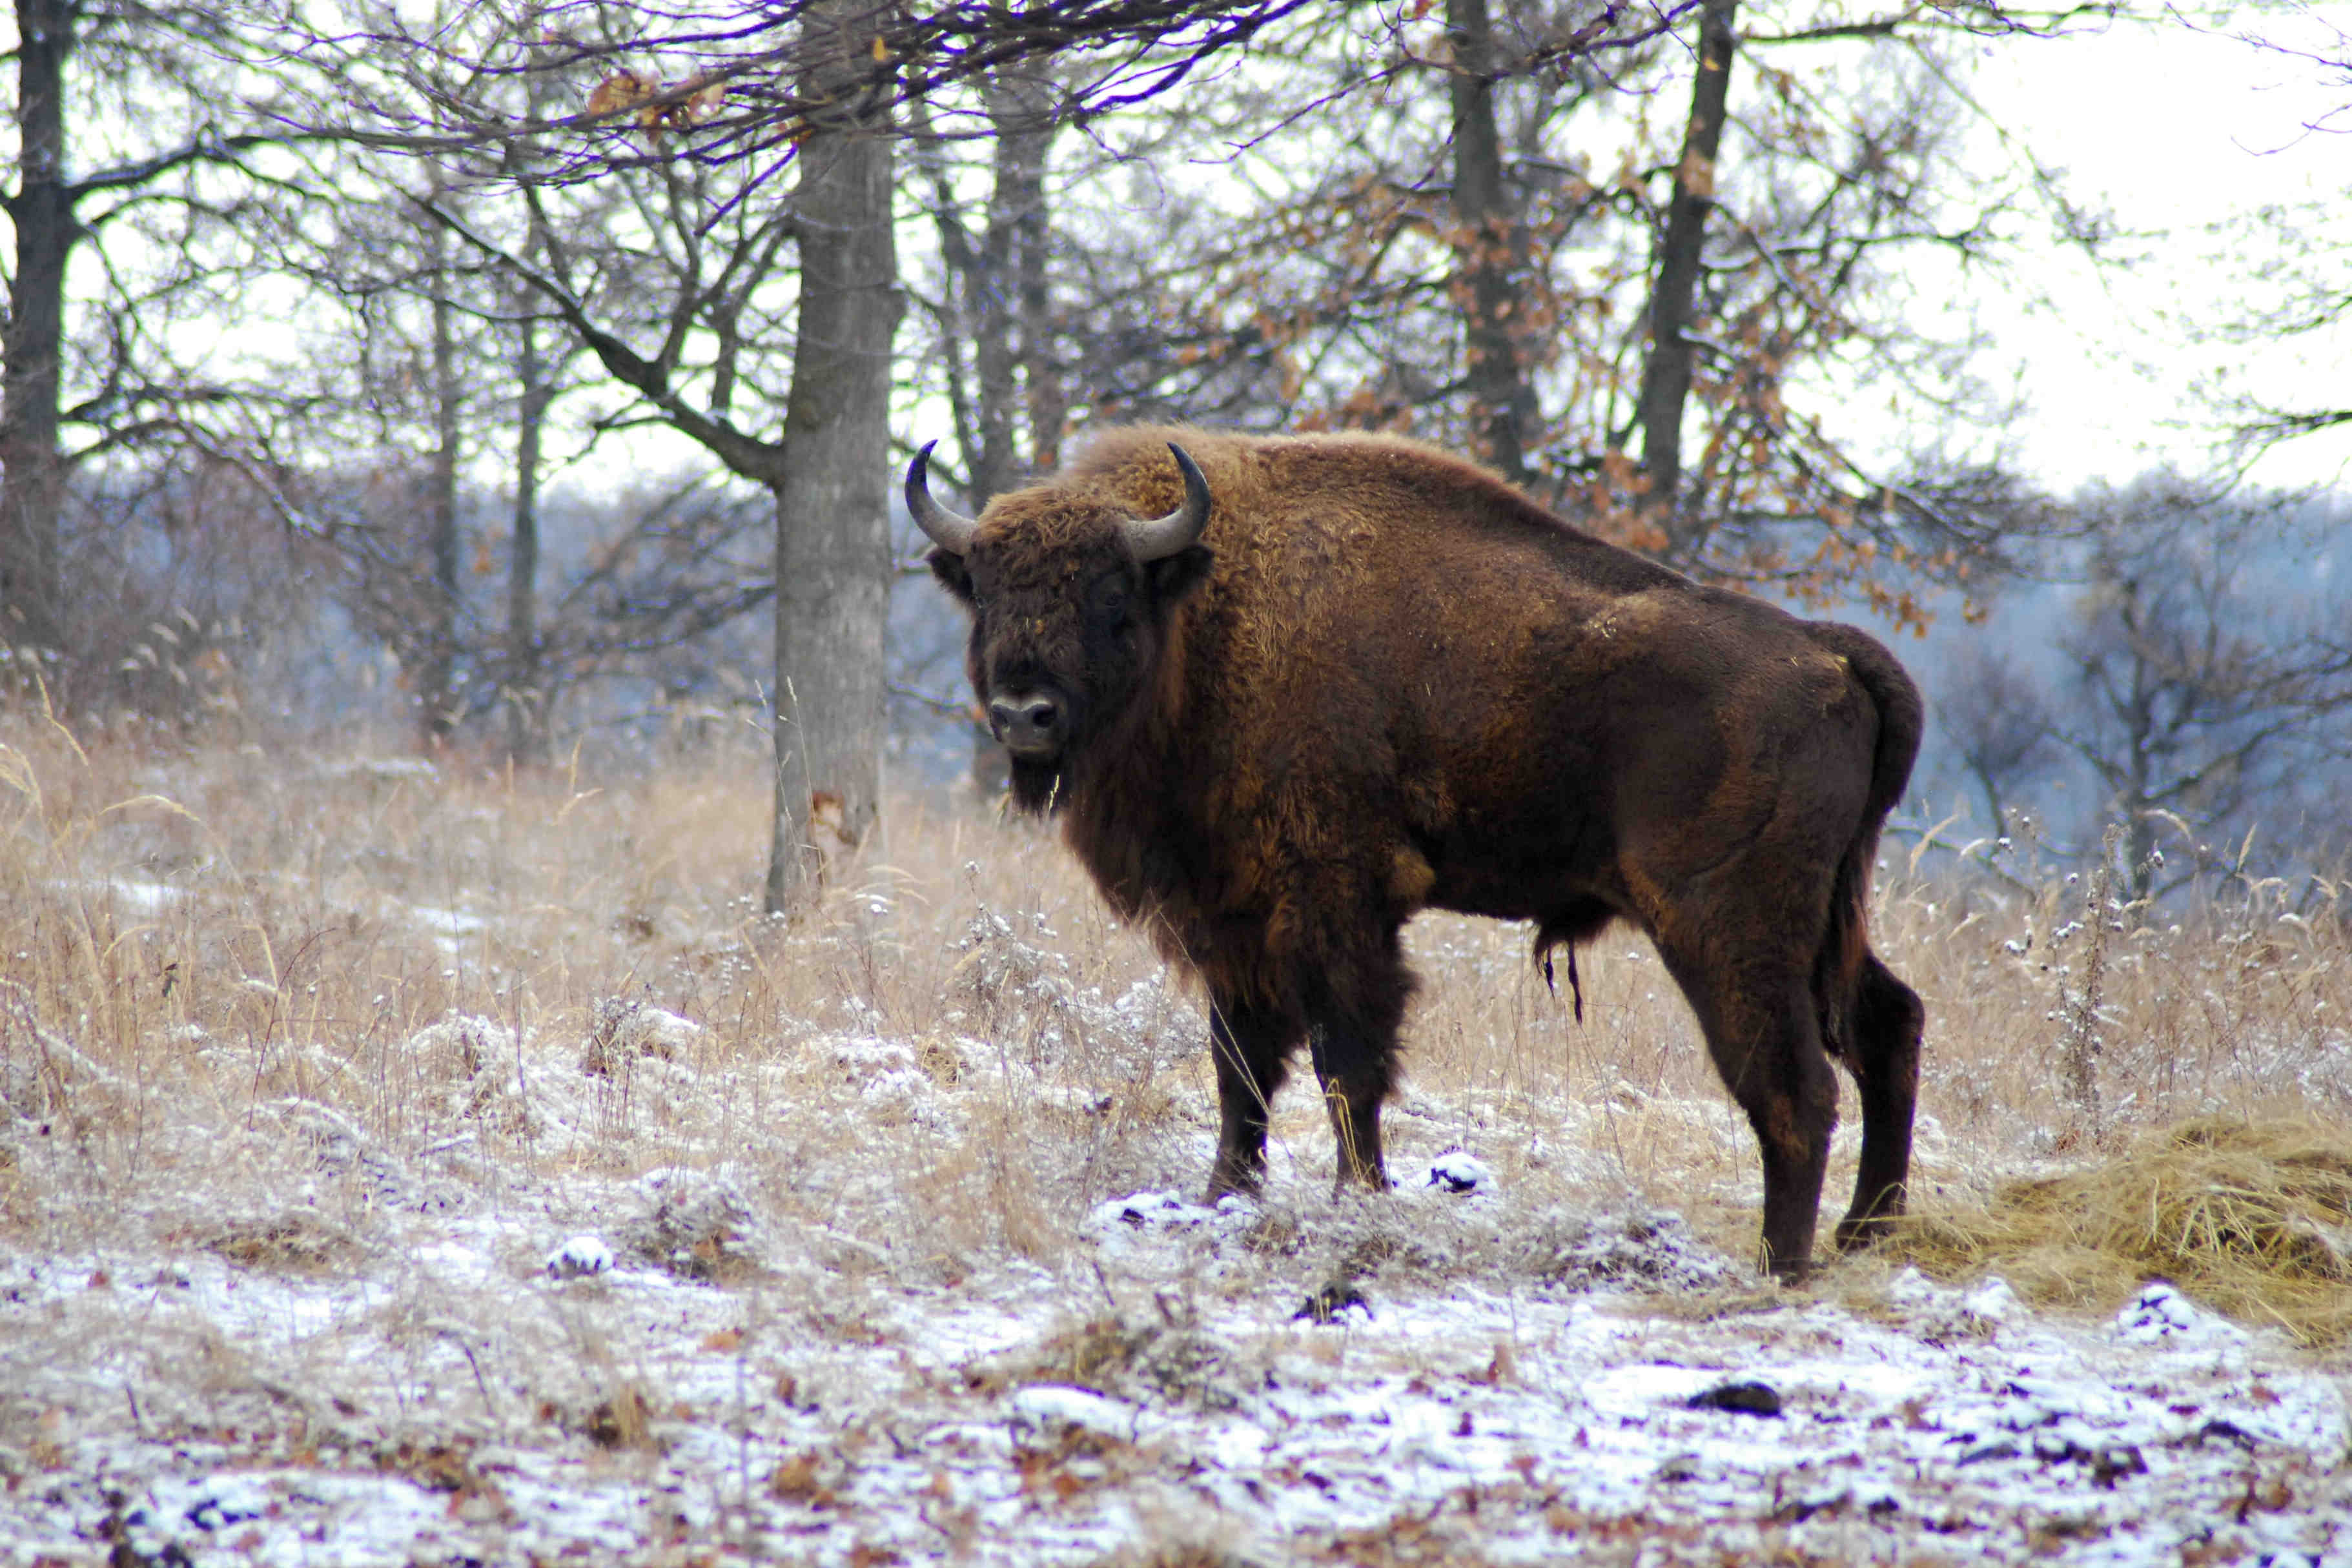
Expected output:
(364, 1201)
(639, 1371)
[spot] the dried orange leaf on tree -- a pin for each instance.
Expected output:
(617, 92)
(704, 102)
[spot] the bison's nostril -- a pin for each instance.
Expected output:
(1027, 723)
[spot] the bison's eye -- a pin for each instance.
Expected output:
(1108, 595)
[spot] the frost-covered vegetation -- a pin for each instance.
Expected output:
(406, 1164)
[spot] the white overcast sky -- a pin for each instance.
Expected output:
(2173, 131)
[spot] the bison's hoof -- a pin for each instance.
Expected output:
(1222, 1186)
(1854, 1235)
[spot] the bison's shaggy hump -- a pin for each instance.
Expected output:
(1318, 683)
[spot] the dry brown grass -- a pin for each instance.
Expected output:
(250, 973)
(2255, 1217)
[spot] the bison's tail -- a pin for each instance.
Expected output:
(1902, 717)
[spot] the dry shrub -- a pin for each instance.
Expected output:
(2255, 1217)
(622, 1421)
(292, 1242)
(699, 1227)
(1168, 1355)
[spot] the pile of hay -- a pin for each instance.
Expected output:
(2253, 1219)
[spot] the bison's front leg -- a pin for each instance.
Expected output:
(1248, 1046)
(1351, 1033)
(1352, 1095)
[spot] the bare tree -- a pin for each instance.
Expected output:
(2298, 252)
(1493, 244)
(436, 696)
(118, 115)
(522, 680)
(1666, 374)
(446, 411)
(832, 516)
(1524, 262)
(992, 319)
(2208, 673)
(1995, 718)
(711, 270)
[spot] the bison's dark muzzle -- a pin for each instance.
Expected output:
(1033, 725)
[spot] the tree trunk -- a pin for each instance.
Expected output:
(1665, 385)
(996, 392)
(1022, 149)
(1503, 415)
(1004, 293)
(32, 467)
(832, 544)
(436, 676)
(526, 697)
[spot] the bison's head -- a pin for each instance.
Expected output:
(1071, 600)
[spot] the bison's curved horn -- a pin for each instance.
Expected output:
(1152, 538)
(951, 531)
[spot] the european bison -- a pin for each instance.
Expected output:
(1286, 691)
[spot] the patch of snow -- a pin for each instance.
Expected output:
(1047, 1410)
(1144, 1211)
(1992, 1302)
(148, 898)
(451, 929)
(2160, 1313)
(901, 1088)
(1638, 1248)
(579, 1256)
(664, 1032)
(1458, 1170)
(394, 770)
(865, 1057)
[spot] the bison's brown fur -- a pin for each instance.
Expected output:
(1385, 681)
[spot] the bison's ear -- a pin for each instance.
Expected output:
(949, 569)
(1173, 577)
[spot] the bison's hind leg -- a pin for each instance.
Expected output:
(1887, 1023)
(1757, 1012)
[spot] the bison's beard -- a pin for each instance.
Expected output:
(1038, 786)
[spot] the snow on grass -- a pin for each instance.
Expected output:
(633, 1229)
(1494, 1426)
(487, 1380)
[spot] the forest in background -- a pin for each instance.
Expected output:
(477, 375)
